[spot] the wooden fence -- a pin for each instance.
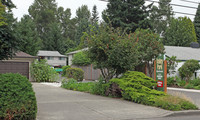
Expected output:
(89, 72)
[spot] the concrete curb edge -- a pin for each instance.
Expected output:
(184, 113)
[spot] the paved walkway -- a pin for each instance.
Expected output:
(60, 104)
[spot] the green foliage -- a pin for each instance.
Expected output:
(197, 23)
(149, 46)
(195, 82)
(75, 73)
(133, 86)
(2, 11)
(174, 103)
(175, 82)
(64, 69)
(42, 72)
(100, 87)
(188, 68)
(26, 30)
(112, 51)
(72, 84)
(160, 16)
(54, 26)
(81, 59)
(180, 32)
(119, 16)
(9, 43)
(17, 98)
(189, 86)
(138, 87)
(171, 64)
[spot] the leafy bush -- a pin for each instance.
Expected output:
(72, 84)
(175, 82)
(64, 69)
(100, 87)
(137, 87)
(76, 73)
(197, 87)
(42, 72)
(81, 59)
(195, 82)
(189, 86)
(17, 99)
(188, 68)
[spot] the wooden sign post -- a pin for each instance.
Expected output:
(160, 73)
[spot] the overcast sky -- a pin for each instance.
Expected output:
(23, 5)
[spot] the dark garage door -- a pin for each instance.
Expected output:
(15, 67)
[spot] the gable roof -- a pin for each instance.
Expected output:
(183, 53)
(49, 53)
(21, 54)
(74, 52)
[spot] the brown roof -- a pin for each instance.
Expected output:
(21, 54)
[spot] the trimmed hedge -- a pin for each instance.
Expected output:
(17, 98)
(76, 73)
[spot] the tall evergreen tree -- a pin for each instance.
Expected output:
(197, 23)
(8, 39)
(55, 38)
(128, 14)
(43, 13)
(26, 29)
(180, 32)
(160, 16)
(83, 16)
(94, 18)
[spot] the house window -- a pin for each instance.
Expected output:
(61, 58)
(50, 58)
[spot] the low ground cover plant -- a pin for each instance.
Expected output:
(133, 86)
(17, 98)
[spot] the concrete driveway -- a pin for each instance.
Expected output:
(56, 103)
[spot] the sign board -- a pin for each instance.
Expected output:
(160, 71)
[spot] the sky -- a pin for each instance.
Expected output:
(23, 5)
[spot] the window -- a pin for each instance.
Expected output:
(61, 58)
(50, 58)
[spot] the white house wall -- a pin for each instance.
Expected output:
(177, 72)
(70, 59)
(56, 61)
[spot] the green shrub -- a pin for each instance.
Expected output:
(81, 59)
(175, 82)
(17, 99)
(171, 81)
(42, 72)
(189, 86)
(137, 87)
(188, 68)
(64, 69)
(195, 82)
(76, 73)
(197, 87)
(72, 84)
(100, 87)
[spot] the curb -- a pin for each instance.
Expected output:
(184, 113)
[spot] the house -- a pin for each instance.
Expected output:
(183, 54)
(71, 54)
(20, 63)
(54, 58)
